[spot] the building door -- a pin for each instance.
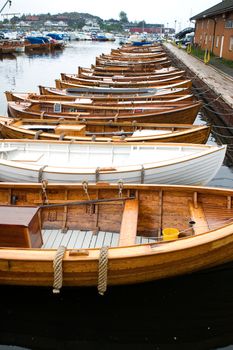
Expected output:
(221, 47)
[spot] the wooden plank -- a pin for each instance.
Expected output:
(87, 240)
(129, 223)
(73, 238)
(100, 239)
(115, 239)
(58, 240)
(198, 216)
(66, 238)
(80, 239)
(49, 243)
(45, 236)
(93, 240)
(107, 239)
(144, 240)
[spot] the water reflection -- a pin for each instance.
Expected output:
(49, 54)
(8, 56)
(195, 312)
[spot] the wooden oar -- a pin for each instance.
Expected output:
(93, 201)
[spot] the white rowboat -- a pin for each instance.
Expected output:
(56, 161)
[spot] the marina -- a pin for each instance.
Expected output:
(116, 185)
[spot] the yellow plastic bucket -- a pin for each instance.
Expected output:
(170, 233)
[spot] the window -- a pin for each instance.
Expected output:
(202, 24)
(229, 24)
(231, 44)
(206, 39)
(210, 37)
(217, 41)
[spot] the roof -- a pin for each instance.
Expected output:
(222, 7)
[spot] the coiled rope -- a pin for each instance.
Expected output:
(57, 268)
(103, 270)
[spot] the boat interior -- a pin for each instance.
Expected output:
(94, 129)
(91, 216)
(89, 155)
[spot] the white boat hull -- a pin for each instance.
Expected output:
(69, 163)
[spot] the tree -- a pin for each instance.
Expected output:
(123, 17)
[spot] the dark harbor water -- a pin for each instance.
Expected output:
(192, 312)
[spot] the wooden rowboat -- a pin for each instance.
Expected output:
(133, 58)
(77, 222)
(91, 75)
(184, 113)
(161, 71)
(136, 68)
(72, 78)
(108, 100)
(60, 84)
(48, 129)
(61, 161)
(141, 49)
(153, 63)
(122, 94)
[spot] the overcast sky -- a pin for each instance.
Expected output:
(152, 11)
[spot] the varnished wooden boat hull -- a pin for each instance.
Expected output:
(126, 264)
(179, 115)
(187, 134)
(92, 76)
(121, 84)
(107, 73)
(63, 84)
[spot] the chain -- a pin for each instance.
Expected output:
(85, 188)
(120, 185)
(45, 199)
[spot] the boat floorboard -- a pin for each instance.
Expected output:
(76, 239)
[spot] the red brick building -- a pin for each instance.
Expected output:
(214, 29)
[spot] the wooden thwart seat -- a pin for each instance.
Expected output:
(198, 216)
(129, 223)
